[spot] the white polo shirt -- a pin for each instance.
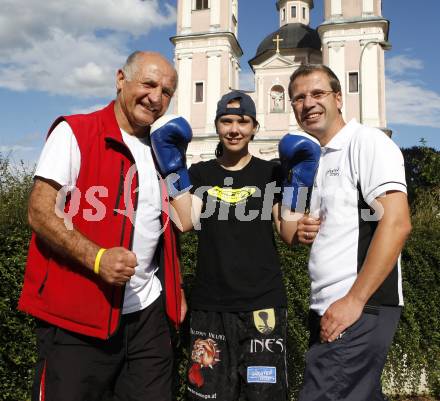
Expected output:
(359, 163)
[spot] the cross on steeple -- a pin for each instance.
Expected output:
(277, 40)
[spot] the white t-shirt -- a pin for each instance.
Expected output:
(60, 161)
(358, 162)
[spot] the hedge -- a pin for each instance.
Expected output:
(17, 343)
(416, 348)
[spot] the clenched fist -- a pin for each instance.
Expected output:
(117, 265)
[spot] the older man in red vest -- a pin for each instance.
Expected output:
(102, 233)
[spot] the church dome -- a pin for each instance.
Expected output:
(294, 36)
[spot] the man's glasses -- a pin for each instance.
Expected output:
(317, 95)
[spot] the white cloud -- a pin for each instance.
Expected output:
(31, 137)
(89, 109)
(72, 47)
(15, 148)
(410, 104)
(401, 64)
(408, 101)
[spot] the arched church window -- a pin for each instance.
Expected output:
(277, 99)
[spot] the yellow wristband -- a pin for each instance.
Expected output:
(98, 260)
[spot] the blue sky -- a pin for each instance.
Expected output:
(59, 57)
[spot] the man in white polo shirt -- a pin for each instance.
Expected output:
(359, 195)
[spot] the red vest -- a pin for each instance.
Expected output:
(67, 294)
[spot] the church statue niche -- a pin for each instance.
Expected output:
(277, 99)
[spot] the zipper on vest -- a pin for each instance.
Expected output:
(136, 200)
(120, 188)
(125, 150)
(121, 242)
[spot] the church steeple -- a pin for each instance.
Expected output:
(277, 56)
(292, 11)
(197, 16)
(354, 36)
(207, 56)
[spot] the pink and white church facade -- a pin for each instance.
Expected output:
(351, 41)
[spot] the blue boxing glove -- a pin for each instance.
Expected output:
(299, 156)
(170, 135)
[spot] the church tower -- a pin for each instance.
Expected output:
(207, 56)
(278, 55)
(354, 36)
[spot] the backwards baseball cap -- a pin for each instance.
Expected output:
(247, 105)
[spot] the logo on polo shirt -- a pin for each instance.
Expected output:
(333, 172)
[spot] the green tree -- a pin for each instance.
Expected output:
(17, 344)
(417, 343)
